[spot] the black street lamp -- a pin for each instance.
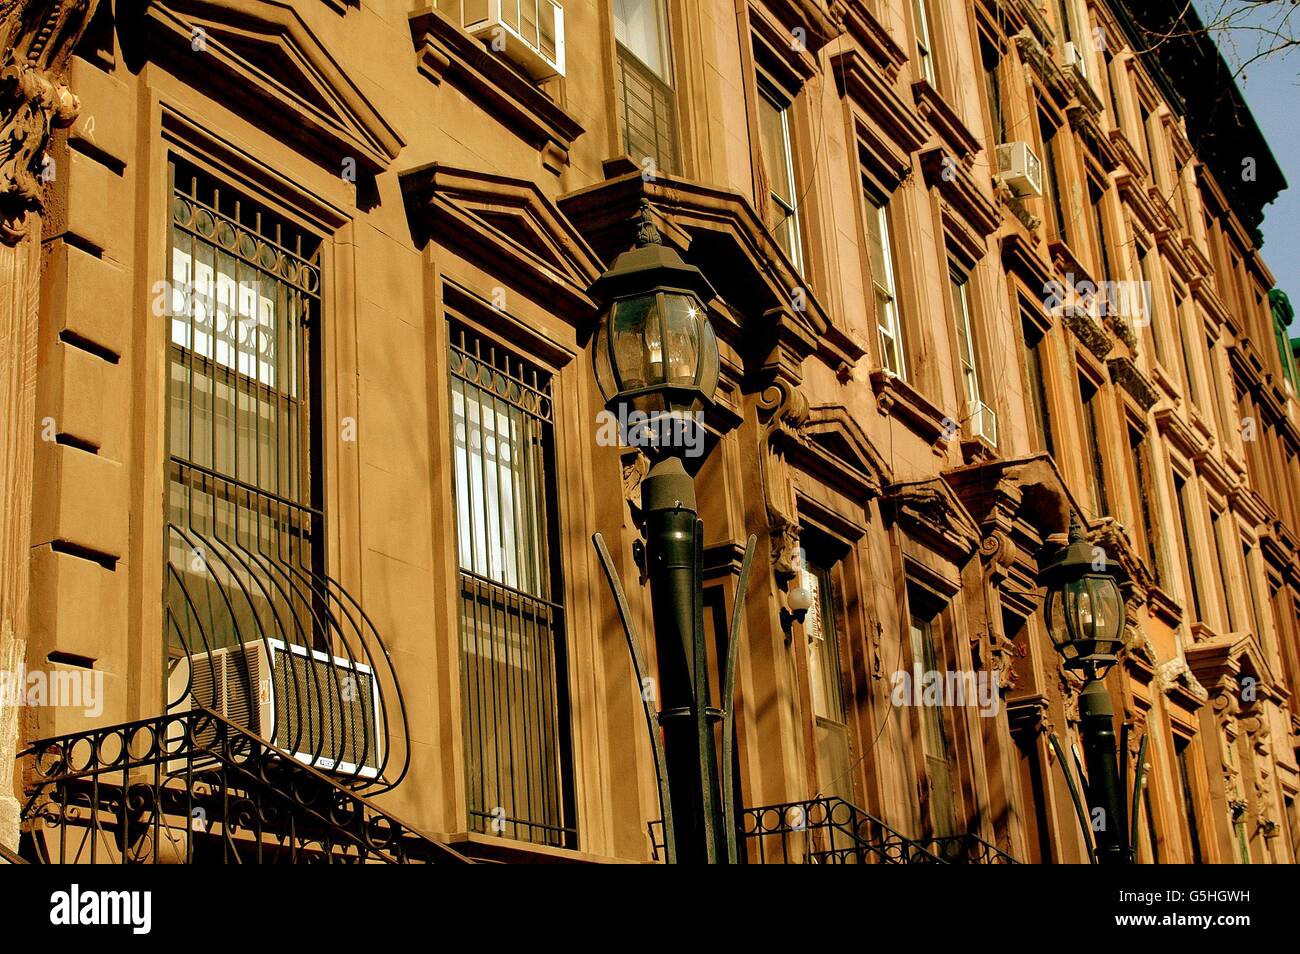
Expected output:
(656, 354)
(1084, 610)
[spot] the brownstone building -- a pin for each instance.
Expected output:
(300, 459)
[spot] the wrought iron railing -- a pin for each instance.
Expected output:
(825, 831)
(832, 831)
(10, 857)
(196, 787)
(967, 849)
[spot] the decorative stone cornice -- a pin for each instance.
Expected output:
(932, 512)
(445, 52)
(872, 37)
(267, 51)
(36, 39)
(508, 224)
(951, 129)
(969, 214)
(889, 129)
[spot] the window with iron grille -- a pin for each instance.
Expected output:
(243, 487)
(511, 617)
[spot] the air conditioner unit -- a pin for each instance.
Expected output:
(1020, 169)
(982, 421)
(529, 32)
(322, 709)
(1074, 58)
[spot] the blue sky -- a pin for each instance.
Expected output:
(1272, 89)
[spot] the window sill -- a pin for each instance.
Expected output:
(895, 397)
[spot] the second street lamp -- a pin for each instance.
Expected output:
(656, 354)
(1084, 611)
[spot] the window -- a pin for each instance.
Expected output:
(1256, 615)
(1186, 501)
(1096, 202)
(924, 42)
(888, 323)
(1183, 752)
(243, 491)
(991, 60)
(1092, 434)
(925, 632)
(965, 338)
(1037, 386)
(778, 163)
(1150, 534)
(1221, 558)
(1148, 299)
(1212, 356)
(1188, 359)
(1114, 76)
(511, 615)
(645, 82)
(822, 628)
(1144, 115)
(1052, 180)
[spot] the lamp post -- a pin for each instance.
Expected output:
(1084, 610)
(656, 360)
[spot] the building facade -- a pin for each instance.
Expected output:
(300, 423)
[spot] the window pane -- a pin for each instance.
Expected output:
(821, 626)
(641, 26)
(965, 344)
(775, 147)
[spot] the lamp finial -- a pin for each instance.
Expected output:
(1076, 529)
(647, 232)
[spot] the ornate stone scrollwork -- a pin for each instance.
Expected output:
(36, 39)
(785, 410)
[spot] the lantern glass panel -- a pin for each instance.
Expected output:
(682, 317)
(638, 343)
(604, 364)
(1056, 628)
(1107, 609)
(709, 361)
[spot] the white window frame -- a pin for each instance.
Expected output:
(925, 43)
(888, 321)
(788, 206)
(966, 355)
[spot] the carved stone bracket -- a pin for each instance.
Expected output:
(1175, 672)
(36, 39)
(1089, 331)
(1126, 374)
(784, 411)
